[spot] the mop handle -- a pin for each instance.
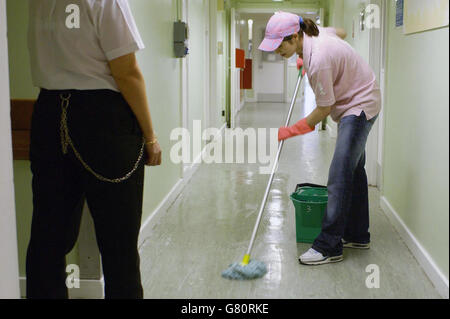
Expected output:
(274, 169)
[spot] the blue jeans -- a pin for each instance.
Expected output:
(347, 213)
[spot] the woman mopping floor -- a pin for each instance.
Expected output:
(346, 88)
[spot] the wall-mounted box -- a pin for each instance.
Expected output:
(180, 37)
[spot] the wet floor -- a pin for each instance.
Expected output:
(210, 224)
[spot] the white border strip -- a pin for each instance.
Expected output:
(433, 272)
(9, 269)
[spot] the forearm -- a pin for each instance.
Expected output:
(133, 89)
(341, 33)
(318, 115)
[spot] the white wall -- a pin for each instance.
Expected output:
(9, 268)
(268, 78)
(216, 104)
(237, 75)
(416, 147)
(196, 61)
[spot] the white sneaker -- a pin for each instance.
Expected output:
(313, 257)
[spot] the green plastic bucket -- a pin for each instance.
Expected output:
(310, 202)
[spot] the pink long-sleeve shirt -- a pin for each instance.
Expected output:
(340, 77)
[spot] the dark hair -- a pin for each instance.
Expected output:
(307, 26)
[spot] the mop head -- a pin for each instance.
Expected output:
(254, 269)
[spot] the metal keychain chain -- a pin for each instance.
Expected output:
(66, 141)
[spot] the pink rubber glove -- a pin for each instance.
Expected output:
(300, 128)
(300, 65)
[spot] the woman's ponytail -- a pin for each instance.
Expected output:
(309, 27)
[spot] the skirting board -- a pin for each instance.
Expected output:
(433, 272)
(89, 289)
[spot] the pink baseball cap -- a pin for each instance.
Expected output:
(281, 25)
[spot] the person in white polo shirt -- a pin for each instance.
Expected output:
(91, 138)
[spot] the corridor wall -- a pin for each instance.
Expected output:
(415, 162)
(416, 147)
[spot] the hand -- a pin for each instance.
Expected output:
(153, 154)
(300, 128)
(299, 63)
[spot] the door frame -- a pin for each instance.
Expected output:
(232, 69)
(207, 67)
(377, 58)
(381, 121)
(184, 83)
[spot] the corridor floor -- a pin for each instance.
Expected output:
(210, 223)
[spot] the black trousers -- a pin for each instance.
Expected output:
(108, 137)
